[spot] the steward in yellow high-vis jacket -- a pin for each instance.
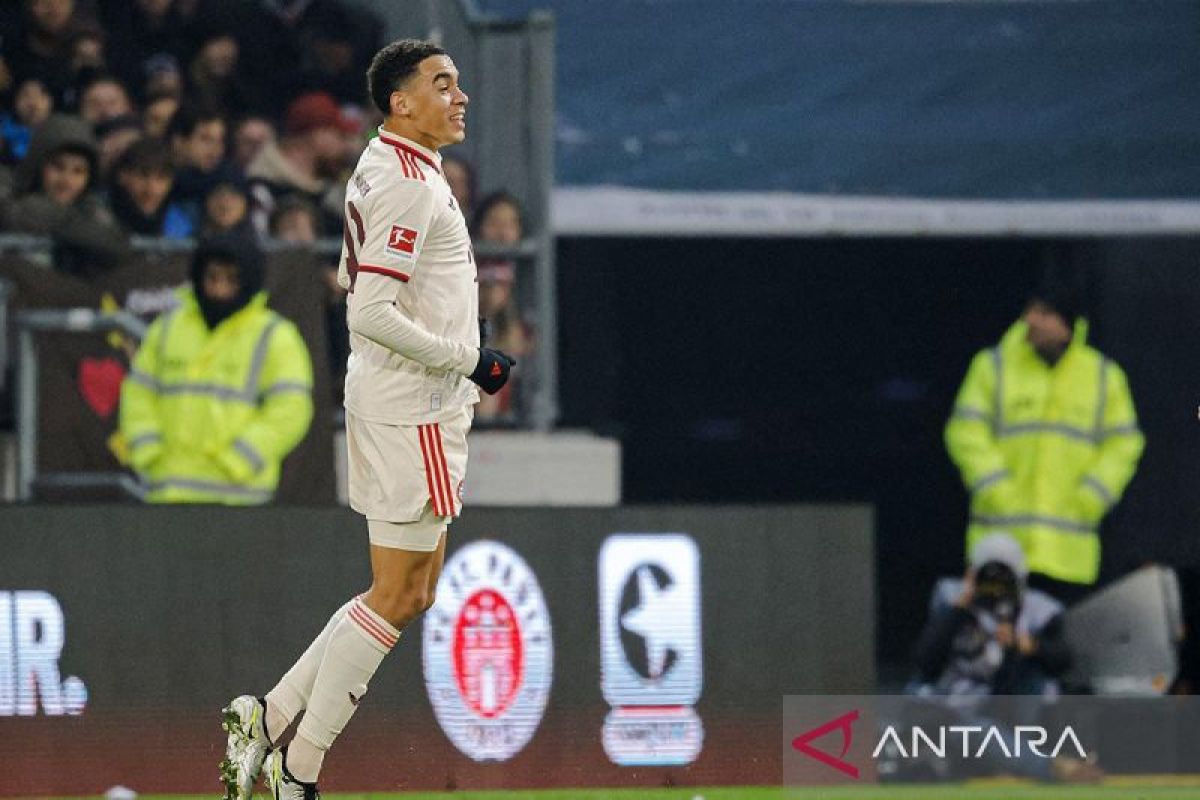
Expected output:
(221, 387)
(1045, 435)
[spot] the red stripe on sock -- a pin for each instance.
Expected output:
(379, 627)
(371, 627)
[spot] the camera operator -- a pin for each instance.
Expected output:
(988, 633)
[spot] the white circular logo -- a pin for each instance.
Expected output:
(488, 652)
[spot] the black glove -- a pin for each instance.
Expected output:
(492, 372)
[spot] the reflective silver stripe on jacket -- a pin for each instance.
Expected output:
(279, 387)
(249, 391)
(998, 401)
(144, 438)
(1102, 403)
(1099, 488)
(252, 456)
(213, 487)
(987, 480)
(1070, 431)
(1058, 523)
(966, 412)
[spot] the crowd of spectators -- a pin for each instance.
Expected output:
(182, 119)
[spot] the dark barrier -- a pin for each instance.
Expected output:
(81, 374)
(878, 333)
(639, 646)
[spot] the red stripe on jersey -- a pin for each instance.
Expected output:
(444, 470)
(359, 228)
(391, 273)
(413, 163)
(369, 627)
(434, 486)
(403, 164)
(399, 145)
(411, 166)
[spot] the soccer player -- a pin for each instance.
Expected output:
(410, 391)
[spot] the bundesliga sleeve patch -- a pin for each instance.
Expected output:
(402, 241)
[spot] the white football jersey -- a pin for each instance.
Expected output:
(403, 223)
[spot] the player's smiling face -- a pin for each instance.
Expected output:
(431, 105)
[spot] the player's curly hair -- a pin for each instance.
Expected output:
(395, 64)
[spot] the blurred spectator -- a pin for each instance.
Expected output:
(157, 112)
(337, 42)
(214, 75)
(148, 38)
(104, 98)
(221, 388)
(461, 176)
(87, 61)
(140, 192)
(294, 220)
(31, 106)
(197, 138)
(227, 208)
(311, 37)
(44, 47)
(304, 162)
(1046, 437)
(88, 51)
(114, 137)
(163, 77)
(250, 135)
(498, 220)
(54, 185)
(988, 633)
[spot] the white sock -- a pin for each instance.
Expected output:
(290, 695)
(356, 648)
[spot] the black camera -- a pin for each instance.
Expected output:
(998, 591)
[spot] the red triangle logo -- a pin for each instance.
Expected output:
(842, 723)
(496, 370)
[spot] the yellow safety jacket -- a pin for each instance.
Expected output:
(1045, 451)
(208, 415)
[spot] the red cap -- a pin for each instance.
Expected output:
(315, 110)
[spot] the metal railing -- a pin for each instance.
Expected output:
(536, 254)
(76, 320)
(5, 293)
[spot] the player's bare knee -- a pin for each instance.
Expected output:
(399, 605)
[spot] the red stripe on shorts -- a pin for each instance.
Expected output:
(445, 470)
(434, 485)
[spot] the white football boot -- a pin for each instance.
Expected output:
(247, 746)
(281, 783)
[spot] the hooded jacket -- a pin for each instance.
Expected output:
(208, 412)
(86, 237)
(271, 177)
(1045, 451)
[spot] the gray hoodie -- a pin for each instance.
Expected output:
(86, 237)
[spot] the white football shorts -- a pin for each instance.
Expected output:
(407, 473)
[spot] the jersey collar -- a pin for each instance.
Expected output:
(415, 150)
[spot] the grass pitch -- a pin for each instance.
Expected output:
(985, 791)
